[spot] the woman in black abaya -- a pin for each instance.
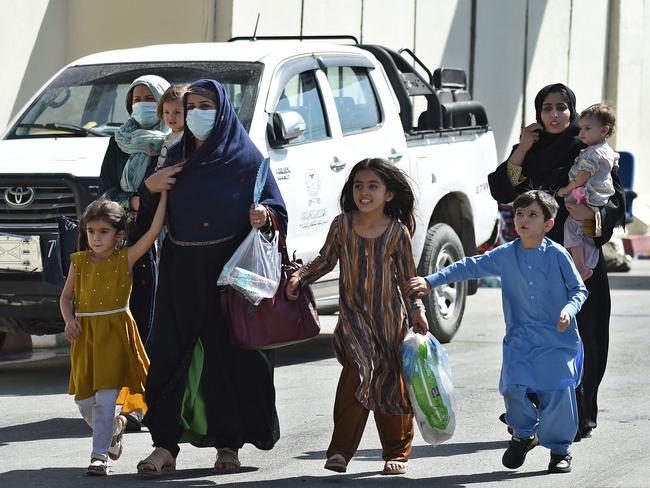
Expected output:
(542, 160)
(201, 389)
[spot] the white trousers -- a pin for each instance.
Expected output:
(99, 412)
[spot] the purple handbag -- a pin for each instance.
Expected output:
(276, 321)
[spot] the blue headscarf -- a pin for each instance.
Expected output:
(212, 195)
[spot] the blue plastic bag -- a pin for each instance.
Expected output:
(427, 374)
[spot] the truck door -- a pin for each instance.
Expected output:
(309, 178)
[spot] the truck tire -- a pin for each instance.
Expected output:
(445, 304)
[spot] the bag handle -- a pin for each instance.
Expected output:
(282, 241)
(260, 180)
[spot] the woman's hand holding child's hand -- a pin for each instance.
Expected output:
(72, 330)
(564, 321)
(292, 289)
(418, 286)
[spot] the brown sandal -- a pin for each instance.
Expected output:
(227, 461)
(159, 460)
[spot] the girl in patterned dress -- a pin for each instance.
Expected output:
(108, 362)
(372, 241)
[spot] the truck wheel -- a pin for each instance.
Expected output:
(445, 304)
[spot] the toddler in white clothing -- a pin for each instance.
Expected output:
(170, 111)
(590, 181)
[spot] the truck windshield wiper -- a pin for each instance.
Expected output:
(70, 128)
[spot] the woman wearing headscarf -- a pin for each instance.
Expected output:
(130, 157)
(541, 160)
(201, 389)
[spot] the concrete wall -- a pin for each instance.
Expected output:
(630, 91)
(97, 25)
(32, 49)
(509, 48)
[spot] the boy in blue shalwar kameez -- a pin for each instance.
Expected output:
(542, 351)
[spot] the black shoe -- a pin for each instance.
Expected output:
(515, 455)
(560, 463)
(132, 423)
(502, 418)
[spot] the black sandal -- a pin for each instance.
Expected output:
(97, 467)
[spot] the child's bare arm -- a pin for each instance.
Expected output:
(72, 327)
(580, 179)
(137, 250)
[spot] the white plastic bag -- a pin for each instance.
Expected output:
(427, 374)
(254, 268)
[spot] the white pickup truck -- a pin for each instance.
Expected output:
(314, 107)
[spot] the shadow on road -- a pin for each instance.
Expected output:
(189, 478)
(443, 450)
(57, 428)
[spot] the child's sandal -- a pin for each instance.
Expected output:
(336, 463)
(97, 467)
(395, 467)
(115, 451)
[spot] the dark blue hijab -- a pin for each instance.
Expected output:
(212, 195)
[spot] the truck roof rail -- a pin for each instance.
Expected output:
(418, 61)
(295, 38)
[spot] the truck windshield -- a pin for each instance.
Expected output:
(89, 100)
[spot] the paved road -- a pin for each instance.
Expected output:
(44, 443)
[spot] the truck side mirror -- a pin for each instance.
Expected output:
(285, 127)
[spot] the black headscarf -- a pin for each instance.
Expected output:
(547, 163)
(212, 195)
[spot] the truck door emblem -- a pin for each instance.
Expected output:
(19, 196)
(312, 184)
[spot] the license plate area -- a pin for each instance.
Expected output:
(20, 253)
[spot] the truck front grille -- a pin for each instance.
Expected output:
(35, 209)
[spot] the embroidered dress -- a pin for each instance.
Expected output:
(372, 314)
(109, 353)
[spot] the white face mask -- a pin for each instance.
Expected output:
(145, 113)
(200, 122)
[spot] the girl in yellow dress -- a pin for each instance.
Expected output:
(108, 361)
